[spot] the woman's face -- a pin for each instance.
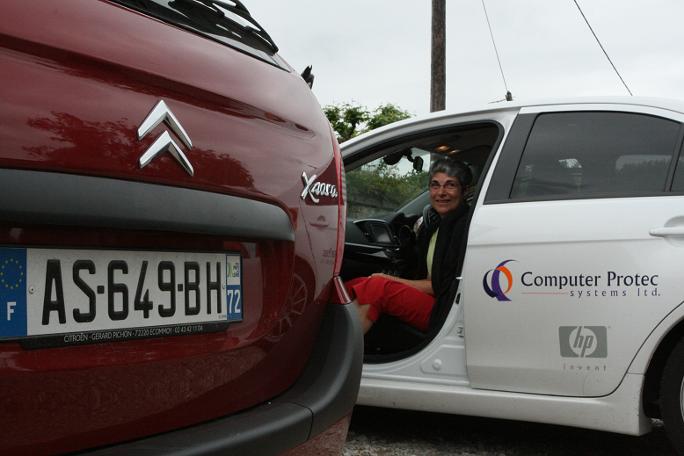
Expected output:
(445, 193)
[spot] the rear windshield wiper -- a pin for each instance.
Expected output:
(229, 15)
(223, 20)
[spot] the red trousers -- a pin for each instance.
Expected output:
(386, 296)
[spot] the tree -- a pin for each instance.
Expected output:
(386, 114)
(349, 120)
(375, 188)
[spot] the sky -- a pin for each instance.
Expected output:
(371, 52)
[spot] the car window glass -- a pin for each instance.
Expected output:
(581, 154)
(228, 22)
(380, 187)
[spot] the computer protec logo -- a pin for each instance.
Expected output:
(492, 281)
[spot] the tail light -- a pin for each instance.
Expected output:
(341, 292)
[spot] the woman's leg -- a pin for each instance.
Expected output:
(377, 295)
(362, 309)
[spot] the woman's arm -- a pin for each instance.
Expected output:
(424, 285)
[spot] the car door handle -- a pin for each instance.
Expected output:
(667, 231)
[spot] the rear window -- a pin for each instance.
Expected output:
(584, 154)
(225, 21)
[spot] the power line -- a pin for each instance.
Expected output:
(601, 46)
(509, 97)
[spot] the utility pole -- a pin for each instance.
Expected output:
(438, 65)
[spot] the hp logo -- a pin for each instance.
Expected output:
(583, 341)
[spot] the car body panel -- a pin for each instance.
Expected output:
(598, 237)
(614, 413)
(616, 241)
(63, 117)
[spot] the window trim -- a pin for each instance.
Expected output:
(360, 153)
(365, 154)
(501, 183)
(673, 165)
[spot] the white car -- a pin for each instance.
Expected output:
(568, 307)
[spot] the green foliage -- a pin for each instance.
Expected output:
(349, 120)
(386, 114)
(378, 189)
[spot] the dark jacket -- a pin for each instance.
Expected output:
(446, 263)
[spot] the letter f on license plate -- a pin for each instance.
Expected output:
(12, 292)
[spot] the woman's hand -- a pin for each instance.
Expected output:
(385, 276)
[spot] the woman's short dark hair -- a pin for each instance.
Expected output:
(452, 168)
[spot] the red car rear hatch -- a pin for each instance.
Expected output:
(156, 263)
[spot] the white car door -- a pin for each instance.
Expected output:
(574, 253)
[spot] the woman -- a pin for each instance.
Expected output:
(438, 245)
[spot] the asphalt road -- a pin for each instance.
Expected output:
(384, 432)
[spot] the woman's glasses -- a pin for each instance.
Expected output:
(449, 185)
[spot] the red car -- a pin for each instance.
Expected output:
(171, 232)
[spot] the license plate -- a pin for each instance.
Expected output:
(59, 296)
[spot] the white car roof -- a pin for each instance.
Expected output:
(661, 103)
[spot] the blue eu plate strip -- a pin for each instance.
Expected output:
(12, 292)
